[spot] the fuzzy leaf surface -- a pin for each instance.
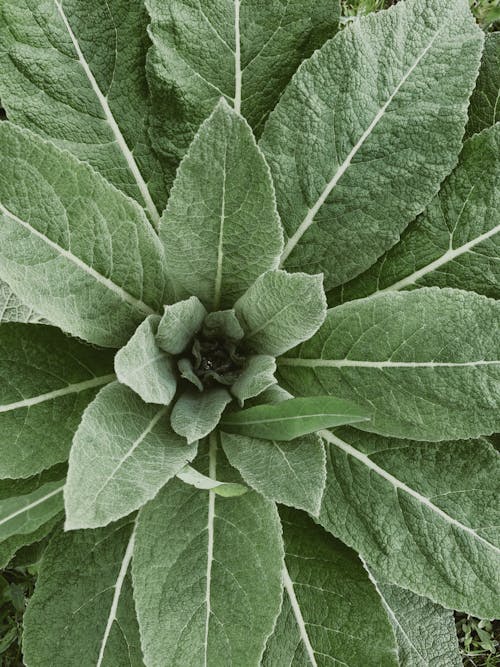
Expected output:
(123, 452)
(423, 515)
(180, 322)
(191, 476)
(74, 248)
(221, 229)
(484, 109)
(196, 413)
(11, 308)
(256, 377)
(425, 363)
(25, 514)
(46, 381)
(367, 130)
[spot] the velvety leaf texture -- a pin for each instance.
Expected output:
(366, 131)
(484, 109)
(11, 308)
(425, 363)
(25, 514)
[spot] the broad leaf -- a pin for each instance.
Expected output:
(197, 413)
(293, 418)
(11, 309)
(255, 378)
(367, 130)
(244, 51)
(292, 473)
(191, 476)
(25, 514)
(221, 229)
(84, 615)
(331, 613)
(123, 453)
(425, 363)
(424, 515)
(180, 322)
(281, 310)
(456, 242)
(220, 562)
(71, 246)
(484, 109)
(73, 70)
(425, 632)
(46, 381)
(146, 368)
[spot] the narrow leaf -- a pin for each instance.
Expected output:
(180, 322)
(123, 452)
(256, 377)
(225, 489)
(484, 110)
(196, 413)
(25, 514)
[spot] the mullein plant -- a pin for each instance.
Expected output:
(249, 351)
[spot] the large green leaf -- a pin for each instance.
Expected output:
(425, 363)
(424, 515)
(82, 612)
(74, 248)
(425, 632)
(366, 131)
(456, 242)
(25, 514)
(74, 71)
(220, 228)
(280, 310)
(11, 308)
(219, 561)
(245, 51)
(331, 613)
(46, 381)
(292, 473)
(484, 109)
(123, 452)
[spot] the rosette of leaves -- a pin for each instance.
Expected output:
(217, 468)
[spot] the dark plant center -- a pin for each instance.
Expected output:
(217, 360)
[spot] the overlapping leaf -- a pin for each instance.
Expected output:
(11, 309)
(484, 109)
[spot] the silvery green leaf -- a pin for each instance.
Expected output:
(46, 381)
(456, 241)
(186, 370)
(12, 546)
(123, 452)
(423, 515)
(331, 613)
(223, 323)
(74, 248)
(484, 109)
(191, 476)
(244, 51)
(197, 413)
(11, 308)
(425, 363)
(220, 562)
(425, 632)
(221, 229)
(84, 615)
(281, 310)
(74, 71)
(25, 514)
(293, 418)
(180, 322)
(292, 473)
(144, 367)
(256, 377)
(366, 131)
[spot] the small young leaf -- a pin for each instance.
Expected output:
(186, 370)
(123, 452)
(180, 322)
(225, 489)
(281, 310)
(484, 109)
(144, 367)
(256, 377)
(25, 514)
(223, 323)
(196, 413)
(293, 418)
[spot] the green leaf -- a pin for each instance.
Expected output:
(219, 561)
(293, 418)
(223, 323)
(221, 229)
(455, 243)
(146, 368)
(25, 514)
(11, 547)
(281, 310)
(180, 322)
(245, 51)
(197, 413)
(425, 363)
(11, 308)
(225, 489)
(292, 473)
(123, 453)
(256, 377)
(367, 130)
(46, 381)
(71, 246)
(187, 372)
(425, 632)
(331, 614)
(484, 109)
(423, 515)
(83, 614)
(74, 71)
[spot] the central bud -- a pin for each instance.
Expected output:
(217, 359)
